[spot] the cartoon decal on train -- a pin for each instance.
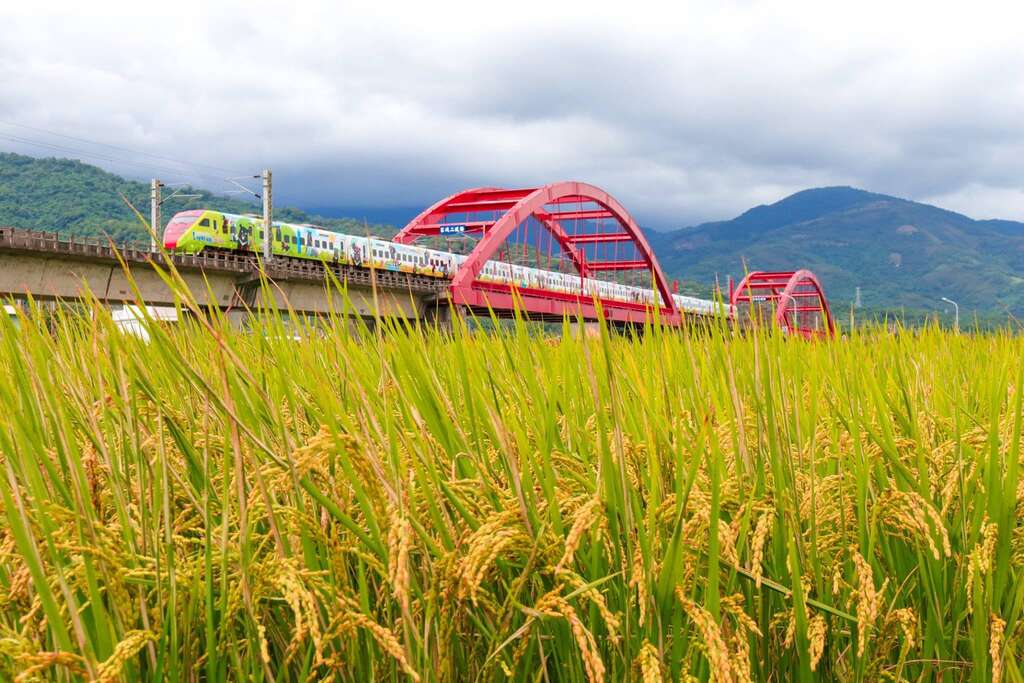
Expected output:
(201, 229)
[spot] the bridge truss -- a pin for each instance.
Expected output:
(567, 227)
(792, 300)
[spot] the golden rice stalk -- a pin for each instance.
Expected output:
(757, 545)
(995, 646)
(868, 600)
(638, 580)
(712, 643)
(554, 605)
(979, 562)
(41, 661)
(816, 630)
(909, 513)
(261, 631)
(741, 656)
(386, 640)
(733, 605)
(649, 663)
(399, 540)
(133, 641)
(500, 532)
(907, 620)
(582, 520)
(311, 457)
(303, 603)
(612, 622)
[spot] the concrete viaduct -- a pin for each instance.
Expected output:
(52, 267)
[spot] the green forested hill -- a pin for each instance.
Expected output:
(902, 254)
(71, 197)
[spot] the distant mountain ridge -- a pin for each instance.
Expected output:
(900, 253)
(71, 197)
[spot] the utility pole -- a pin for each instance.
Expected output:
(154, 212)
(268, 208)
(956, 313)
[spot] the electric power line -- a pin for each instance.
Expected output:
(194, 164)
(116, 160)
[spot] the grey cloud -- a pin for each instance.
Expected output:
(686, 112)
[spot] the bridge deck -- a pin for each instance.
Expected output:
(51, 266)
(281, 268)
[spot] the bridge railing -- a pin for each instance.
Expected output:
(51, 244)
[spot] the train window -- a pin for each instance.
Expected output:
(224, 226)
(205, 223)
(277, 232)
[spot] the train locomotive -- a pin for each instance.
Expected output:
(200, 230)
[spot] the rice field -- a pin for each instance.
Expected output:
(403, 504)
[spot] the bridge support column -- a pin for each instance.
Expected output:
(238, 318)
(443, 314)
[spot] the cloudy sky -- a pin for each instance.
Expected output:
(685, 111)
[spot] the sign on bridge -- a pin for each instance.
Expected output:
(452, 229)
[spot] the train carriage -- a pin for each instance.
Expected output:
(200, 229)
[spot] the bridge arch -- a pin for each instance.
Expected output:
(795, 299)
(510, 209)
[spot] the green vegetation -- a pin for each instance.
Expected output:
(905, 256)
(73, 198)
(901, 254)
(406, 504)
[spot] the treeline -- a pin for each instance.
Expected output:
(74, 198)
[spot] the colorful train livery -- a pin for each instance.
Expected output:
(202, 229)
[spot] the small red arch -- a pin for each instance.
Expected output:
(544, 204)
(797, 301)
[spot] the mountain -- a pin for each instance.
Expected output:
(71, 197)
(900, 253)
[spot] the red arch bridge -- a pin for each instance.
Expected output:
(794, 301)
(564, 249)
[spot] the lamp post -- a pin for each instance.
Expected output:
(956, 313)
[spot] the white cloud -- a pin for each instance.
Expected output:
(685, 111)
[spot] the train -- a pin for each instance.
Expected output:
(199, 230)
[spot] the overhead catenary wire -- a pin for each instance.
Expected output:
(190, 173)
(191, 176)
(158, 170)
(193, 164)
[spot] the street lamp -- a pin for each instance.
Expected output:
(956, 313)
